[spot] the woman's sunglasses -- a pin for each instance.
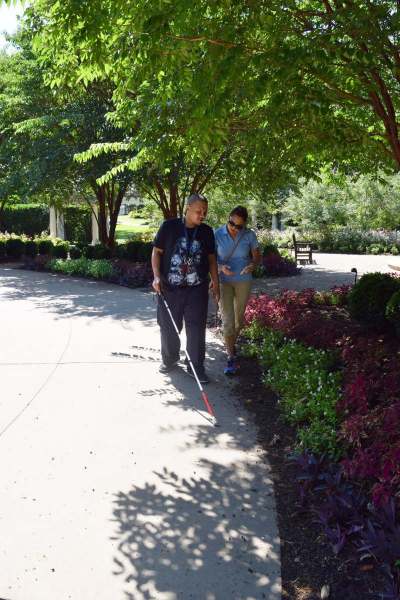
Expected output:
(235, 225)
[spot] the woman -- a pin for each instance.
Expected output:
(238, 254)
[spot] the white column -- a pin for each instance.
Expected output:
(95, 225)
(60, 226)
(53, 222)
(275, 223)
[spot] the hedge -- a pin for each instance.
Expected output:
(78, 224)
(30, 219)
(33, 219)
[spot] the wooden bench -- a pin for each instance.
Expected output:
(302, 251)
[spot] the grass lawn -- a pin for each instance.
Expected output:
(126, 226)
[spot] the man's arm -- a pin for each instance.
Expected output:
(212, 261)
(156, 266)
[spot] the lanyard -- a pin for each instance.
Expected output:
(189, 243)
(235, 245)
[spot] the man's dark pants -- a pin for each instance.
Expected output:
(188, 305)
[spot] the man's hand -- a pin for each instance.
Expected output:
(157, 285)
(214, 287)
(225, 269)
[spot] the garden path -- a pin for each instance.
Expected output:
(328, 270)
(115, 485)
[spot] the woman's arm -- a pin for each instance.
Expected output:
(255, 260)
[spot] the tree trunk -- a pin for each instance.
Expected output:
(2, 205)
(101, 199)
(109, 198)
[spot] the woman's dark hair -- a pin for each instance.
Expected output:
(240, 211)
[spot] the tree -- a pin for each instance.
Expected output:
(42, 133)
(187, 102)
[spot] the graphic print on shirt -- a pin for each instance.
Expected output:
(180, 272)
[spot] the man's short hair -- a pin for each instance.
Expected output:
(192, 199)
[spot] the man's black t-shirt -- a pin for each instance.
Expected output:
(184, 261)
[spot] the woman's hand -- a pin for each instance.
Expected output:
(225, 269)
(248, 269)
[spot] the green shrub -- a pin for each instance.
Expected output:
(121, 251)
(375, 249)
(70, 267)
(31, 249)
(60, 250)
(98, 252)
(2, 249)
(145, 250)
(15, 247)
(394, 250)
(100, 269)
(132, 249)
(45, 246)
(30, 219)
(368, 298)
(270, 249)
(393, 311)
(75, 252)
(307, 387)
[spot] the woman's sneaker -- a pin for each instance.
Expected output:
(231, 367)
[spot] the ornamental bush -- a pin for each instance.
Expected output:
(15, 247)
(368, 298)
(75, 252)
(144, 253)
(45, 246)
(60, 250)
(98, 252)
(132, 250)
(392, 311)
(31, 249)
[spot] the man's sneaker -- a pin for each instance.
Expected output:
(201, 374)
(166, 368)
(231, 367)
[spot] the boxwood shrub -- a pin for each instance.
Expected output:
(368, 299)
(31, 248)
(60, 250)
(15, 247)
(45, 247)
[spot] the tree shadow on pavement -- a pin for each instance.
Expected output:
(208, 537)
(72, 296)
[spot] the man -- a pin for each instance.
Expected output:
(183, 257)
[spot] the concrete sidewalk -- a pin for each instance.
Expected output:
(114, 485)
(327, 271)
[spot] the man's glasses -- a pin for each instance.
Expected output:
(235, 225)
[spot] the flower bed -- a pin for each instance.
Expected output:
(339, 383)
(119, 271)
(368, 406)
